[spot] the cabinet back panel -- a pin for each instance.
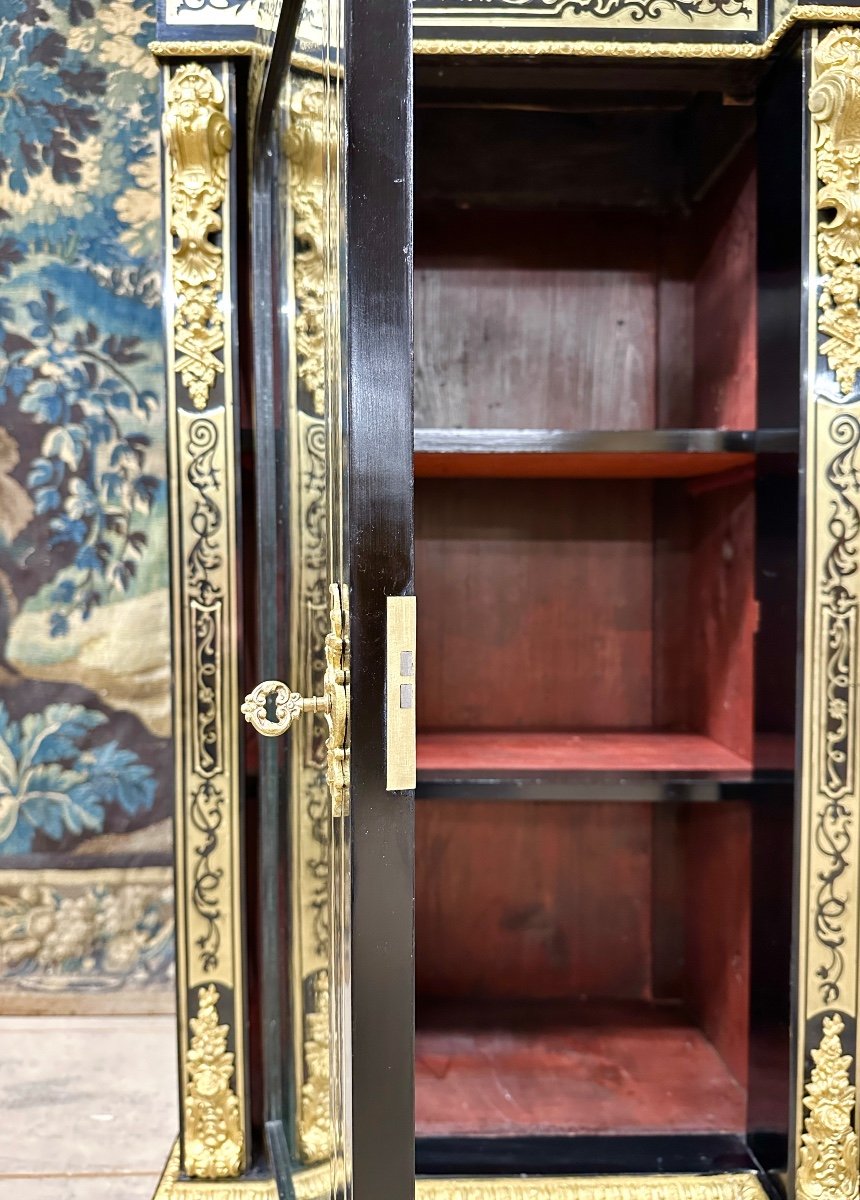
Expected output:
(548, 901)
(564, 338)
(583, 321)
(535, 604)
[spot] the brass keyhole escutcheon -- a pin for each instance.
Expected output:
(288, 706)
(334, 704)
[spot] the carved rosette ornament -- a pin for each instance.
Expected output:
(828, 1166)
(213, 1132)
(834, 101)
(198, 137)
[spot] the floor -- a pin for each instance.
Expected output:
(88, 1106)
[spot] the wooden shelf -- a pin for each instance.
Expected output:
(641, 766)
(568, 1069)
(611, 454)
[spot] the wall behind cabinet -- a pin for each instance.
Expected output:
(85, 755)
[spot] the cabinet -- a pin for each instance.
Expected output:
(606, 778)
(606, 552)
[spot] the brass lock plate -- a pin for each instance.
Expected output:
(400, 694)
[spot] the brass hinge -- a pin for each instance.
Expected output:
(333, 704)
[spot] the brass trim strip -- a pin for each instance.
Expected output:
(307, 150)
(223, 48)
(618, 49)
(744, 1186)
(825, 1143)
(204, 582)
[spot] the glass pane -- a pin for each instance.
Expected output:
(299, 411)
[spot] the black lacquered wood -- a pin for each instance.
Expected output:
(780, 110)
(645, 441)
(700, 787)
(591, 1155)
(378, 223)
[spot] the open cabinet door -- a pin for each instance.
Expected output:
(331, 304)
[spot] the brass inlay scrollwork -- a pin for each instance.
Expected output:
(834, 101)
(204, 578)
(199, 138)
(539, 15)
(426, 43)
(828, 1166)
(213, 1131)
(825, 1166)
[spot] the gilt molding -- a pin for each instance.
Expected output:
(305, 146)
(213, 1130)
(827, 1169)
(610, 1187)
(834, 101)
(315, 1184)
(212, 48)
(314, 1123)
(198, 137)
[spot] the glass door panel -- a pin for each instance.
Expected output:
(317, 401)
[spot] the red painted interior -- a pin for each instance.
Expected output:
(570, 1069)
(515, 750)
(668, 465)
(585, 967)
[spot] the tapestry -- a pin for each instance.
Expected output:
(85, 751)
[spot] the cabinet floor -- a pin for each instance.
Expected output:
(569, 1069)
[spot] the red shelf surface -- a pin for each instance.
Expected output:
(607, 465)
(535, 752)
(569, 1069)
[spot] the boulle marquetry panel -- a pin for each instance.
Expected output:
(202, 412)
(509, 21)
(826, 1153)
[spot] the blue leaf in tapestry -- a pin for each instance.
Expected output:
(79, 169)
(83, 525)
(83, 447)
(52, 784)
